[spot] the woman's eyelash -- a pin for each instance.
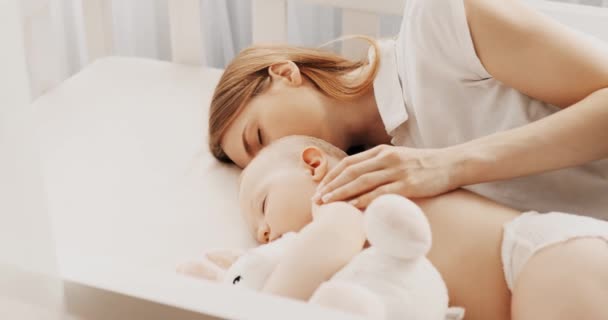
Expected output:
(264, 205)
(260, 136)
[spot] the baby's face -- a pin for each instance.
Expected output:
(275, 196)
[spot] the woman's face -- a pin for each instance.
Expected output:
(291, 105)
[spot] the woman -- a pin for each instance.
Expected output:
(472, 91)
(485, 94)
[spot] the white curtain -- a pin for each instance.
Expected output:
(140, 27)
(601, 3)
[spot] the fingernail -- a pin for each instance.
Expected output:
(326, 197)
(316, 197)
(353, 202)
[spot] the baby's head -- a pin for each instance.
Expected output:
(277, 186)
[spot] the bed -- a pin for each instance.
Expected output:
(132, 189)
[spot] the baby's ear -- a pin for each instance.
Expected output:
(316, 162)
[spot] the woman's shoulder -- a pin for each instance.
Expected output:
(434, 23)
(415, 8)
(437, 31)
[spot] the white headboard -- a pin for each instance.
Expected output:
(269, 18)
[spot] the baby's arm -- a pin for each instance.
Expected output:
(321, 248)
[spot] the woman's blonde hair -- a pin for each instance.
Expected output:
(247, 76)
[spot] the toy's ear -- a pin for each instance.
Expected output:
(396, 226)
(224, 258)
(213, 266)
(200, 269)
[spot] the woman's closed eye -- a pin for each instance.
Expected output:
(260, 139)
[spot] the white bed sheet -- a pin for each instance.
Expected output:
(123, 148)
(132, 189)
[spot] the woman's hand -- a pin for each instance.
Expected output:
(388, 169)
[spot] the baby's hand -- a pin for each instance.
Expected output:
(212, 266)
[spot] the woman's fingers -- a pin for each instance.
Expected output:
(388, 169)
(360, 185)
(363, 201)
(348, 175)
(346, 162)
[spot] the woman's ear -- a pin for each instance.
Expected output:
(286, 71)
(316, 162)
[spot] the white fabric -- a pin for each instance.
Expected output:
(450, 98)
(387, 87)
(531, 232)
(126, 168)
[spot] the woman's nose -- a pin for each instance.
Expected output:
(263, 235)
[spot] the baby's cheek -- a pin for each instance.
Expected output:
(291, 202)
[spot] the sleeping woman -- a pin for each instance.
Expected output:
(482, 94)
(490, 96)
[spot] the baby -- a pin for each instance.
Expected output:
(491, 273)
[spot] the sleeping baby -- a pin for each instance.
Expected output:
(490, 256)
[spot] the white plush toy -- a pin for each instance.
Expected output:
(392, 279)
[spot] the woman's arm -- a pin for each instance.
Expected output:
(531, 53)
(571, 137)
(547, 61)
(321, 248)
(534, 54)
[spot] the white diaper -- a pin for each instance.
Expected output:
(531, 232)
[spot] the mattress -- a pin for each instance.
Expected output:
(132, 189)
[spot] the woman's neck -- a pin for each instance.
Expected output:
(358, 122)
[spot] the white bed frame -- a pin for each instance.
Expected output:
(270, 22)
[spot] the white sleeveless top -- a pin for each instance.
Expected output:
(432, 91)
